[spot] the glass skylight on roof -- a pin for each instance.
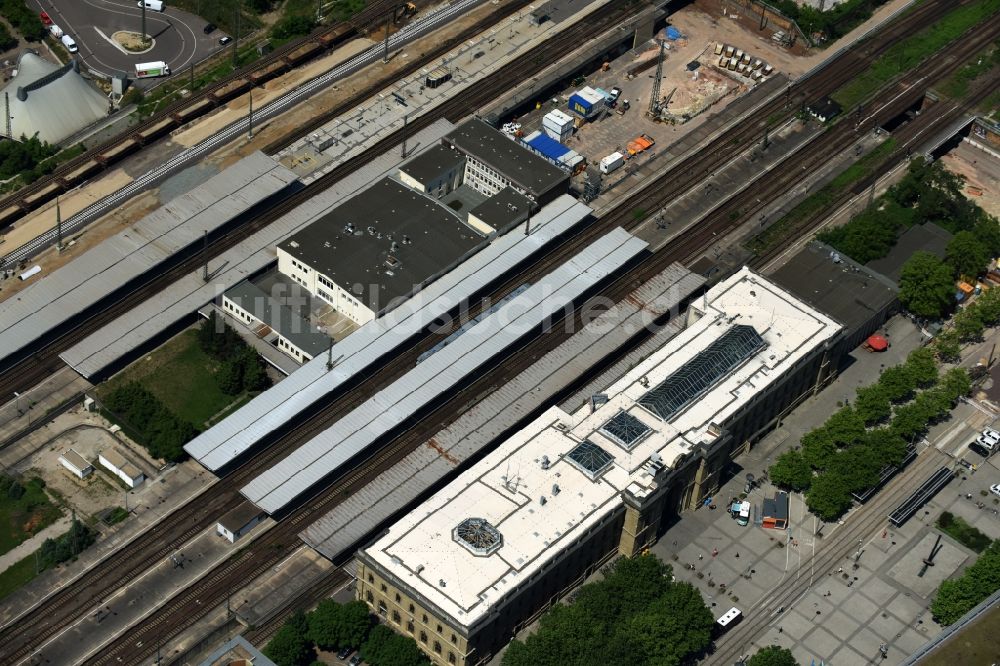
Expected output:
(590, 459)
(625, 430)
(695, 377)
(477, 536)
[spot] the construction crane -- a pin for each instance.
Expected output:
(654, 99)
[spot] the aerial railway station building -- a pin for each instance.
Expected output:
(469, 567)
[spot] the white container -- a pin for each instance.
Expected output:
(611, 162)
(557, 124)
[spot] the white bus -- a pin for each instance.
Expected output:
(148, 70)
(728, 619)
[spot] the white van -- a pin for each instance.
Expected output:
(155, 5)
(68, 42)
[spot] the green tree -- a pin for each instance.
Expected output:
(921, 368)
(289, 647)
(966, 254)
(957, 597)
(255, 377)
(987, 231)
(957, 383)
(773, 655)
(386, 648)
(926, 287)
(829, 497)
(947, 346)
(968, 326)
(872, 404)
(791, 471)
(332, 625)
(293, 26)
(845, 426)
(230, 377)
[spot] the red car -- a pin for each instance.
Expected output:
(45, 19)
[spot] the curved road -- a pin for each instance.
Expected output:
(179, 38)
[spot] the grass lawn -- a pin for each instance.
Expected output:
(910, 52)
(181, 375)
(16, 575)
(963, 532)
(979, 643)
(24, 517)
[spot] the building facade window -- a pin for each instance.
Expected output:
(425, 618)
(454, 639)
(395, 617)
(384, 588)
(437, 647)
(398, 599)
(409, 626)
(451, 657)
(412, 608)
(423, 637)
(381, 608)
(370, 597)
(371, 578)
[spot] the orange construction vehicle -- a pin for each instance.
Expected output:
(639, 144)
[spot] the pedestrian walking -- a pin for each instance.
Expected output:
(737, 556)
(700, 556)
(715, 551)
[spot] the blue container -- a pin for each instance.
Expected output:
(673, 33)
(580, 106)
(548, 147)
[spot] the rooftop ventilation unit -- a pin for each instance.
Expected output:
(542, 500)
(442, 583)
(392, 262)
(371, 230)
(555, 489)
(407, 240)
(545, 462)
(349, 228)
(419, 568)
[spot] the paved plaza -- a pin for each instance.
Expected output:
(847, 612)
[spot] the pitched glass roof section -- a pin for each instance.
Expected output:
(625, 429)
(590, 459)
(477, 536)
(695, 377)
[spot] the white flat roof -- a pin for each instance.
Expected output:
(507, 487)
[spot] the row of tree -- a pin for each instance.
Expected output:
(832, 23)
(152, 423)
(927, 193)
(332, 626)
(66, 547)
(19, 157)
(957, 597)
(635, 615)
(241, 367)
(848, 452)
(23, 18)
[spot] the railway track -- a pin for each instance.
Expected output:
(832, 551)
(122, 566)
(181, 613)
(76, 171)
(20, 372)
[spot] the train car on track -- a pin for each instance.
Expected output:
(335, 36)
(192, 111)
(120, 150)
(80, 173)
(156, 130)
(41, 196)
(9, 215)
(230, 90)
(303, 53)
(265, 74)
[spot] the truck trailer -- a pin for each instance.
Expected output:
(148, 70)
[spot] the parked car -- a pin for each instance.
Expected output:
(209, 28)
(46, 21)
(616, 92)
(991, 434)
(225, 39)
(995, 489)
(355, 660)
(56, 31)
(68, 42)
(344, 653)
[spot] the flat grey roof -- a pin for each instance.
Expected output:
(433, 162)
(75, 459)
(146, 321)
(505, 208)
(846, 291)
(230, 438)
(528, 171)
(237, 518)
(927, 237)
(279, 316)
(429, 239)
(62, 294)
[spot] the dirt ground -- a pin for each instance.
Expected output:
(87, 434)
(982, 175)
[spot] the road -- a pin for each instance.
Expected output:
(178, 37)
